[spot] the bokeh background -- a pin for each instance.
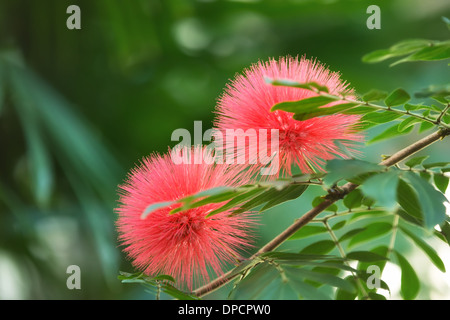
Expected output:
(79, 108)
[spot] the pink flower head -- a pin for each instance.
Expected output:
(186, 244)
(247, 101)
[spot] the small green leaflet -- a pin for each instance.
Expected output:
(319, 247)
(312, 86)
(431, 201)
(437, 51)
(155, 206)
(374, 95)
(397, 97)
(415, 49)
(240, 199)
(346, 169)
(365, 256)
(390, 132)
(353, 199)
(441, 182)
(372, 231)
(426, 248)
(383, 188)
(399, 49)
(308, 231)
(410, 283)
(164, 282)
(415, 161)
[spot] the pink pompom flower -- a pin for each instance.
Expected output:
(186, 245)
(248, 99)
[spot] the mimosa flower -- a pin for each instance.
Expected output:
(248, 99)
(186, 245)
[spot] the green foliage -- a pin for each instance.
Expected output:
(243, 198)
(415, 49)
(156, 285)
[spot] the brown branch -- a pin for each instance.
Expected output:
(310, 215)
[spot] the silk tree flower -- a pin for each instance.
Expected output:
(246, 103)
(186, 244)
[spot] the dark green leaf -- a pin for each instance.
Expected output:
(445, 231)
(441, 182)
(372, 231)
(321, 277)
(377, 56)
(374, 95)
(410, 283)
(339, 225)
(408, 122)
(415, 161)
(345, 169)
(397, 97)
(319, 247)
(346, 295)
(366, 214)
(365, 256)
(431, 201)
(272, 197)
(430, 252)
(305, 105)
(390, 133)
(438, 51)
(381, 117)
(289, 193)
(376, 296)
(353, 199)
(408, 200)
(424, 126)
(164, 277)
(307, 231)
(294, 257)
(237, 201)
(318, 200)
(412, 107)
(435, 165)
(177, 294)
(381, 251)
(255, 282)
(402, 48)
(351, 233)
(382, 187)
(319, 111)
(289, 83)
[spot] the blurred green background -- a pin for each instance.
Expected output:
(78, 108)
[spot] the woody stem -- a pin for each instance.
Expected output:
(311, 214)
